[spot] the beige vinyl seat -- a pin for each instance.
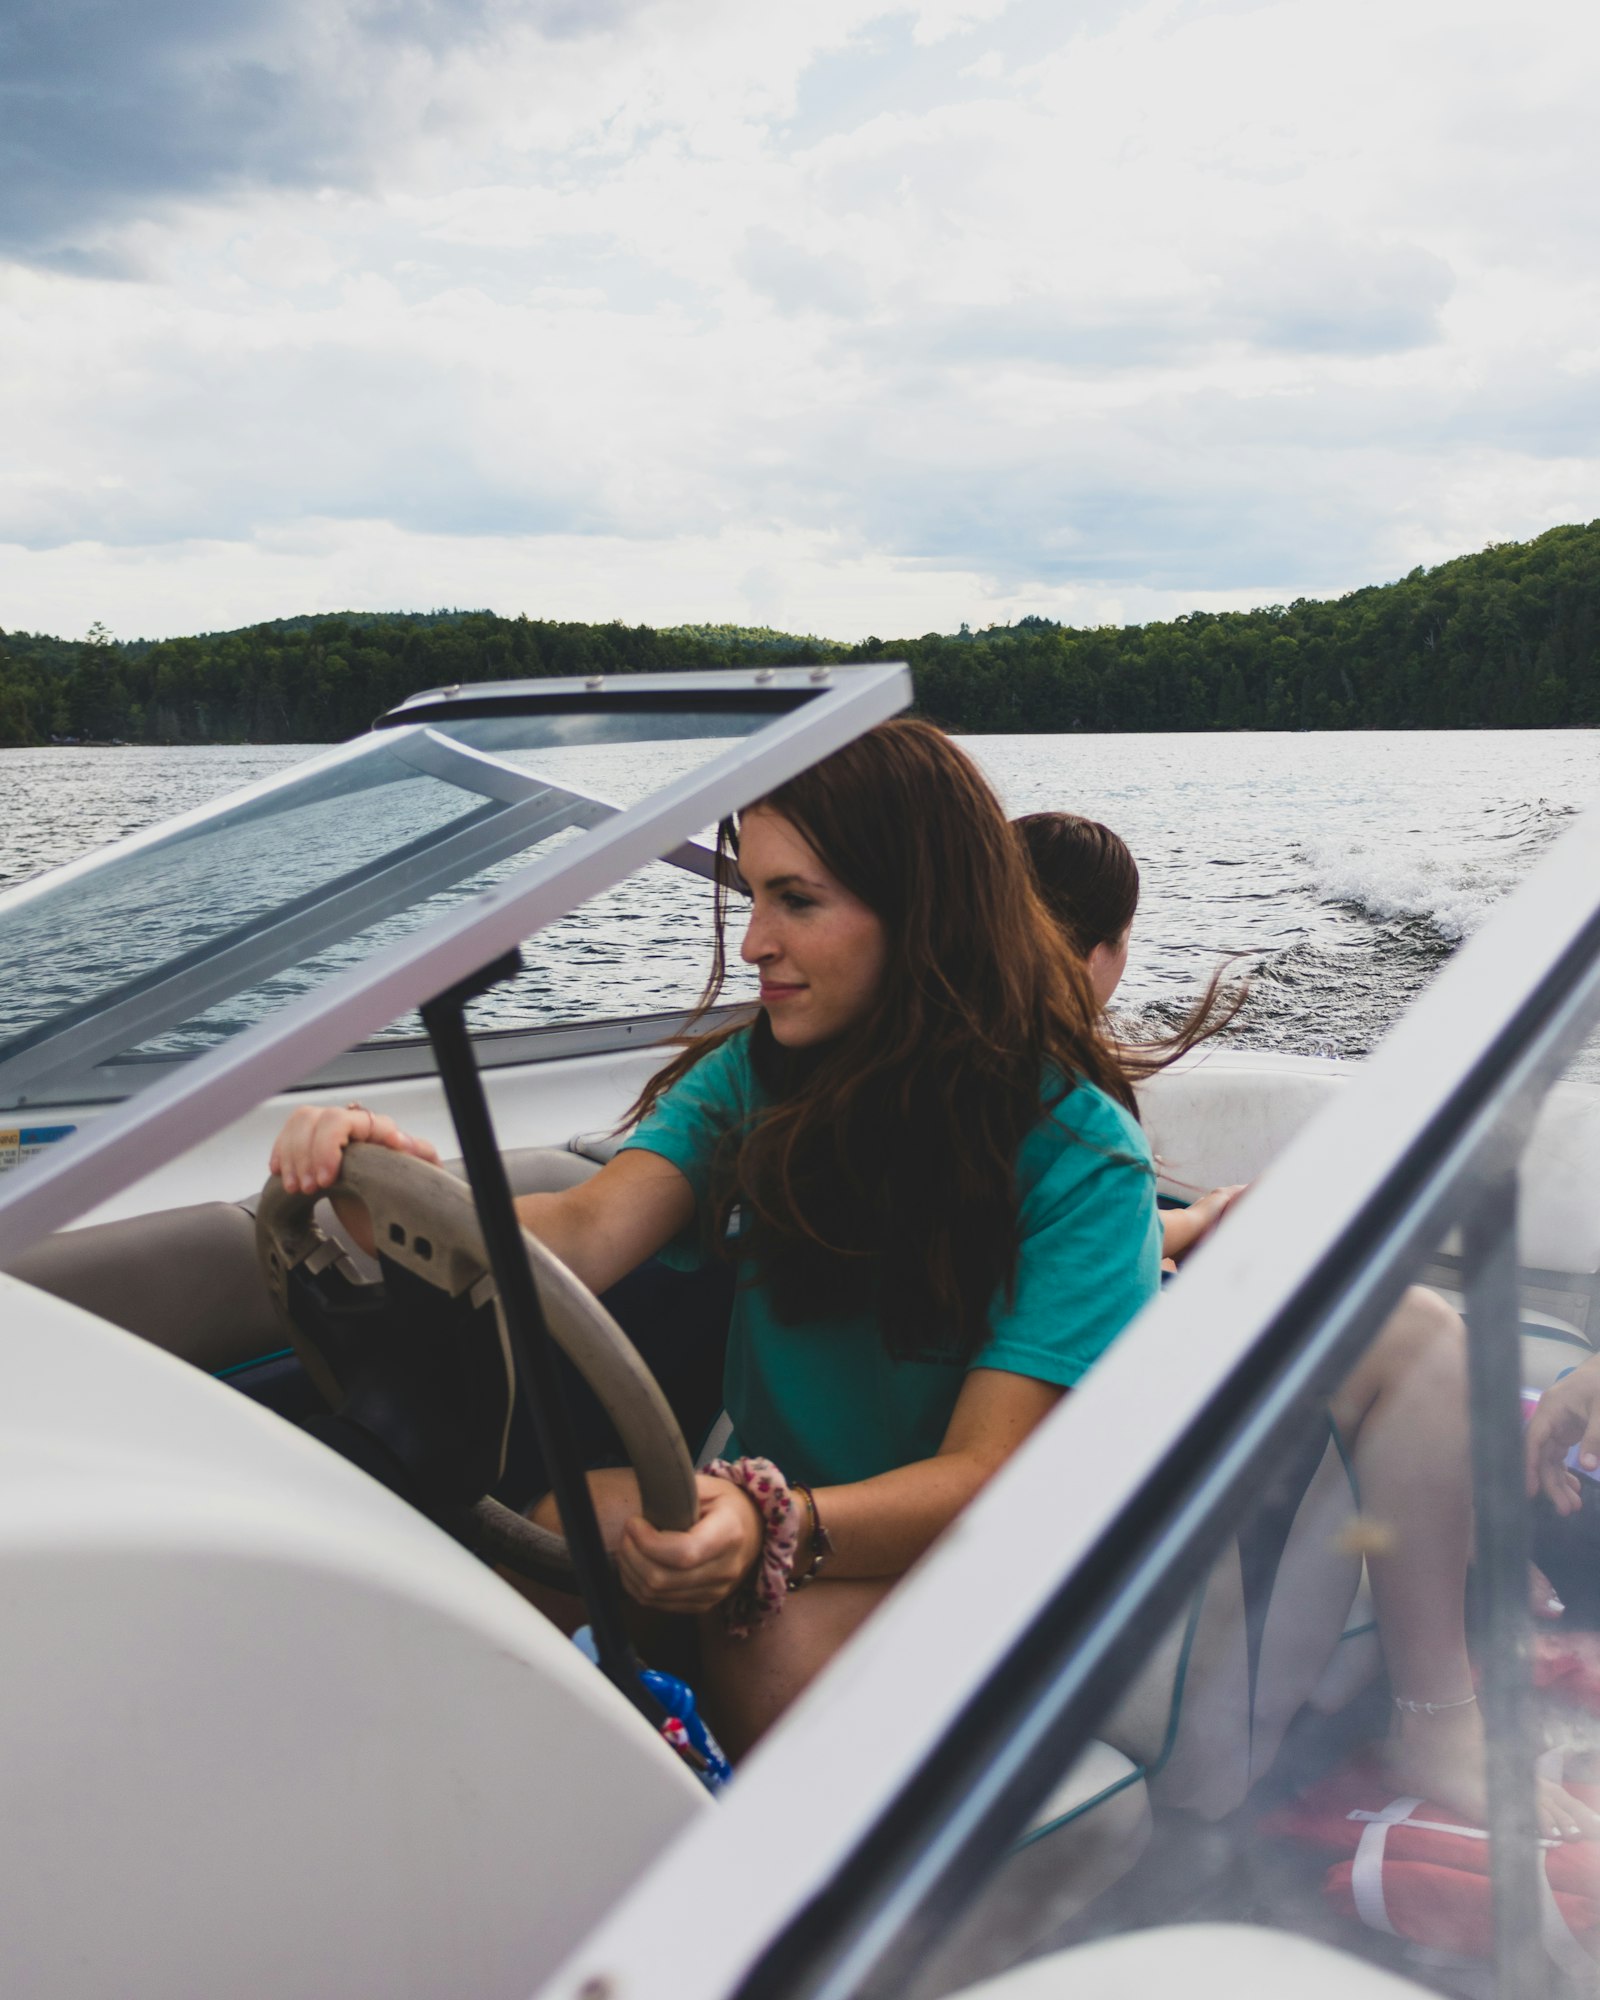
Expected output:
(1224, 1117)
(325, 1751)
(187, 1279)
(1187, 1736)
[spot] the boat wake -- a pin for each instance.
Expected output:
(1449, 879)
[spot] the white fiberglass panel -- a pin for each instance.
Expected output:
(266, 1729)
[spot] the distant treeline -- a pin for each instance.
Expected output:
(1507, 639)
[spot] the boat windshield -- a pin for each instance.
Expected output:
(168, 944)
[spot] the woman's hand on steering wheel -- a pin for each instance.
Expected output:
(695, 1570)
(306, 1154)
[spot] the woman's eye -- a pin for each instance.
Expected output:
(793, 900)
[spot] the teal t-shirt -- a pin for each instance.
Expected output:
(823, 1398)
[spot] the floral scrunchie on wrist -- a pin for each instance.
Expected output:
(766, 1589)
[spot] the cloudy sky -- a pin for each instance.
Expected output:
(844, 317)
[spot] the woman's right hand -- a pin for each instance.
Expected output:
(307, 1153)
(693, 1569)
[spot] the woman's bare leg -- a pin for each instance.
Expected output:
(746, 1684)
(615, 1492)
(1403, 1415)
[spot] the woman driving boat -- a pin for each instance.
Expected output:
(922, 1154)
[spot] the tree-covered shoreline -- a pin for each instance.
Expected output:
(1505, 639)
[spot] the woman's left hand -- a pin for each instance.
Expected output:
(696, 1569)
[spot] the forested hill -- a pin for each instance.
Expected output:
(1506, 639)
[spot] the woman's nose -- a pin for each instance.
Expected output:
(756, 943)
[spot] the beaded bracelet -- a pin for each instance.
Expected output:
(820, 1544)
(764, 1590)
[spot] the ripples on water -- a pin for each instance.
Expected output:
(1343, 869)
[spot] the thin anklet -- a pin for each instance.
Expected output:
(1432, 1707)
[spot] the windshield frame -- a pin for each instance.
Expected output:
(813, 713)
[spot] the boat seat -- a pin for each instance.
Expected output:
(1195, 1730)
(1245, 1961)
(1205, 1715)
(186, 1279)
(1224, 1116)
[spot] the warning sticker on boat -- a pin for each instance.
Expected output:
(21, 1142)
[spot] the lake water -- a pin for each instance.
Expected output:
(1343, 869)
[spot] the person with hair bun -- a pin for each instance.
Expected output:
(1089, 881)
(921, 1153)
(1090, 884)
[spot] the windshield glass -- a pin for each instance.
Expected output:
(1318, 1739)
(170, 943)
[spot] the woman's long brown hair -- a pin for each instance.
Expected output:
(882, 1175)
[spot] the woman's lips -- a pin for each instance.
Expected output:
(771, 993)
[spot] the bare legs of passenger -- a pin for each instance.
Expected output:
(1403, 1415)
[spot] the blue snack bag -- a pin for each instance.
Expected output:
(684, 1727)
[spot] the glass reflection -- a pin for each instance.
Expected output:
(168, 945)
(1304, 1748)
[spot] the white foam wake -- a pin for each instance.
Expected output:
(1452, 892)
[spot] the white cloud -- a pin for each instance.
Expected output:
(937, 20)
(686, 309)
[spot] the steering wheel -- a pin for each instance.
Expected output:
(421, 1361)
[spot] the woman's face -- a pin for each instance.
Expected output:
(819, 950)
(1107, 963)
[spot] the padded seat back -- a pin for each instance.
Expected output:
(1226, 1115)
(268, 1731)
(186, 1279)
(1185, 1719)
